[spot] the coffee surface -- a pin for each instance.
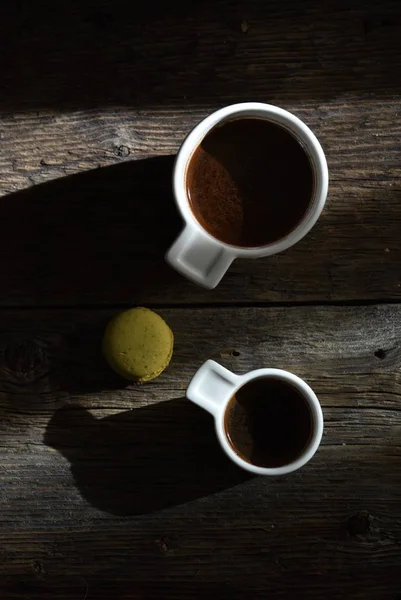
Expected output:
(268, 422)
(249, 182)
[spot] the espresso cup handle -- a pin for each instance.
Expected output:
(212, 386)
(199, 258)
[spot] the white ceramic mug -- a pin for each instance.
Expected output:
(198, 255)
(213, 386)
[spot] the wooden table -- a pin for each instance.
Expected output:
(112, 491)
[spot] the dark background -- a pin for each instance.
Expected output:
(82, 54)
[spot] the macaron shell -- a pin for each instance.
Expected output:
(138, 344)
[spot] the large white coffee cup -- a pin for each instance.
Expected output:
(212, 388)
(198, 255)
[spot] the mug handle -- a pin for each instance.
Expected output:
(212, 386)
(199, 258)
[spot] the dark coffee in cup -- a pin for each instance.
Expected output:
(268, 422)
(249, 182)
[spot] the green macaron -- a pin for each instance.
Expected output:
(138, 344)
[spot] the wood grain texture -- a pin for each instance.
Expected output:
(129, 84)
(119, 491)
(100, 237)
(99, 54)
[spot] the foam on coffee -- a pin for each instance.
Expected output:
(249, 182)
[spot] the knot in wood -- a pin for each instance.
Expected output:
(122, 151)
(25, 358)
(359, 524)
(167, 543)
(37, 568)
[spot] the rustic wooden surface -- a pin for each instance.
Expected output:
(118, 492)
(89, 87)
(123, 489)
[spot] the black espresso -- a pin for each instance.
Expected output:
(268, 422)
(249, 182)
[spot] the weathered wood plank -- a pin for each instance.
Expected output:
(151, 508)
(100, 238)
(361, 139)
(159, 55)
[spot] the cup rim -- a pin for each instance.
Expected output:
(276, 115)
(317, 416)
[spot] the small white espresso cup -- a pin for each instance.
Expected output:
(198, 255)
(213, 386)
